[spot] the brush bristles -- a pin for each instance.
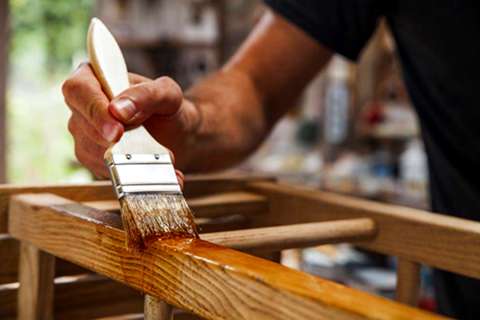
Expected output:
(150, 216)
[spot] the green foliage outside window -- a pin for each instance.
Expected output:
(47, 40)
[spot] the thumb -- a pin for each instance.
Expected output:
(133, 106)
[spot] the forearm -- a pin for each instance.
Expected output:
(237, 106)
(233, 121)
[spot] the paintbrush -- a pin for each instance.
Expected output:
(152, 204)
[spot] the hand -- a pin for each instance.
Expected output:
(95, 122)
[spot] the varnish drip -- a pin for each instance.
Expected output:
(150, 216)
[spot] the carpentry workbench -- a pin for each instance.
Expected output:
(68, 246)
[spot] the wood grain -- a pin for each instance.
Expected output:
(36, 274)
(440, 241)
(295, 236)
(156, 309)
(206, 279)
(408, 282)
(81, 297)
(9, 247)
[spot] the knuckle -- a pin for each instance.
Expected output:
(171, 90)
(69, 86)
(71, 126)
(79, 154)
(93, 109)
(171, 85)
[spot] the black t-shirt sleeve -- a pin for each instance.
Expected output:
(344, 26)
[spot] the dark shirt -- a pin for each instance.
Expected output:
(438, 43)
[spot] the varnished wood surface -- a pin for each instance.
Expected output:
(436, 240)
(210, 280)
(9, 247)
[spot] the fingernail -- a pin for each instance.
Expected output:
(110, 132)
(124, 108)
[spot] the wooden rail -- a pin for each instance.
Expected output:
(295, 236)
(209, 280)
(100, 191)
(439, 241)
(209, 206)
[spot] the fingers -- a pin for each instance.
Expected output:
(162, 96)
(83, 94)
(180, 178)
(136, 78)
(78, 126)
(90, 146)
(90, 155)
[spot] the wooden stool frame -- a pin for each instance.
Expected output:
(68, 231)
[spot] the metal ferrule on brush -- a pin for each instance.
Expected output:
(143, 173)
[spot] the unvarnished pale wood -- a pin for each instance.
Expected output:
(295, 236)
(440, 241)
(156, 309)
(408, 282)
(212, 281)
(36, 274)
(209, 206)
(93, 191)
(9, 257)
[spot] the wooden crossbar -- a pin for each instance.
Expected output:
(197, 185)
(208, 206)
(295, 236)
(209, 280)
(440, 241)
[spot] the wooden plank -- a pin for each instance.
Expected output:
(9, 247)
(209, 280)
(195, 185)
(81, 192)
(156, 309)
(408, 282)
(295, 236)
(10, 255)
(36, 275)
(80, 297)
(208, 206)
(440, 241)
(4, 45)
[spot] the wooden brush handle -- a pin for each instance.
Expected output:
(107, 62)
(106, 59)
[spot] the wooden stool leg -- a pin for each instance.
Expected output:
(156, 309)
(408, 282)
(36, 276)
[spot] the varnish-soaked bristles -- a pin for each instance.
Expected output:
(150, 216)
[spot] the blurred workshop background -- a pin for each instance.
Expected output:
(353, 131)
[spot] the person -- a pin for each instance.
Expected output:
(222, 119)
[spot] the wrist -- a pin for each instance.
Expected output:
(192, 121)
